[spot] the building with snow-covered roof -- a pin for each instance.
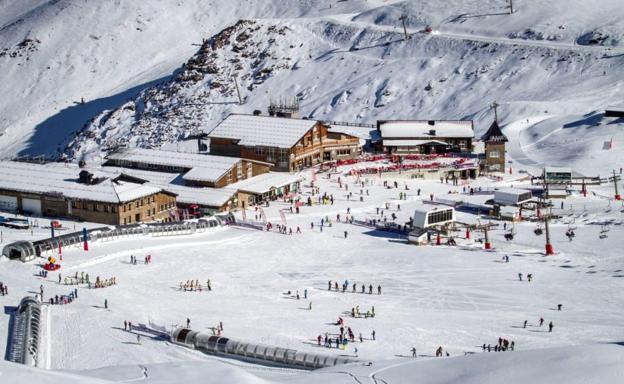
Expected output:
(60, 190)
(197, 169)
(494, 148)
(201, 200)
(266, 187)
(405, 137)
(289, 144)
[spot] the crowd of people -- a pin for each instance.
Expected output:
(194, 285)
(345, 286)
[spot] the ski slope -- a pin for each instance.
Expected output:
(456, 297)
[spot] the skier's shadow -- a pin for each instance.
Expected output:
(537, 330)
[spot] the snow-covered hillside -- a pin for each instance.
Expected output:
(54, 53)
(358, 67)
(346, 62)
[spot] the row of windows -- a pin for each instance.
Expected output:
(342, 152)
(95, 207)
(139, 203)
(440, 216)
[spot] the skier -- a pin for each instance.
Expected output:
(310, 306)
(305, 293)
(105, 303)
(138, 339)
(550, 326)
(370, 289)
(188, 323)
(520, 276)
(373, 334)
(541, 321)
(414, 351)
(378, 291)
(525, 324)
(345, 234)
(125, 325)
(329, 285)
(559, 307)
(318, 339)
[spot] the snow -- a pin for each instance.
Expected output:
(262, 130)
(171, 182)
(553, 68)
(411, 142)
(420, 129)
(55, 179)
(205, 174)
(265, 182)
(174, 159)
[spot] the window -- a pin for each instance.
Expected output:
(74, 204)
(113, 209)
(137, 204)
(137, 217)
(494, 154)
(249, 170)
(125, 221)
(154, 199)
(229, 177)
(106, 208)
(439, 216)
(342, 152)
(124, 207)
(239, 170)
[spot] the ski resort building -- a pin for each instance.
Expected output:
(288, 144)
(197, 169)
(494, 140)
(58, 190)
(408, 137)
(266, 187)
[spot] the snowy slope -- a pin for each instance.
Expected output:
(54, 53)
(588, 364)
(357, 67)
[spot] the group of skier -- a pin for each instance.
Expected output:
(194, 285)
(103, 283)
(502, 346)
(345, 286)
(64, 299)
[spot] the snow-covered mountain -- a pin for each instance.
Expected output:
(348, 62)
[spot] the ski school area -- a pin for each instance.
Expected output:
(347, 268)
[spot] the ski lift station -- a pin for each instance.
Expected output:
(425, 216)
(512, 196)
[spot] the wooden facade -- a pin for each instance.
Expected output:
(315, 146)
(494, 140)
(154, 207)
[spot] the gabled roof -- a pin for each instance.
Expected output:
(494, 134)
(425, 129)
(268, 131)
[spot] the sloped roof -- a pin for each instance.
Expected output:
(251, 130)
(176, 159)
(60, 179)
(422, 129)
(494, 134)
(265, 182)
(211, 197)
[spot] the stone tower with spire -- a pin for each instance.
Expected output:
(494, 140)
